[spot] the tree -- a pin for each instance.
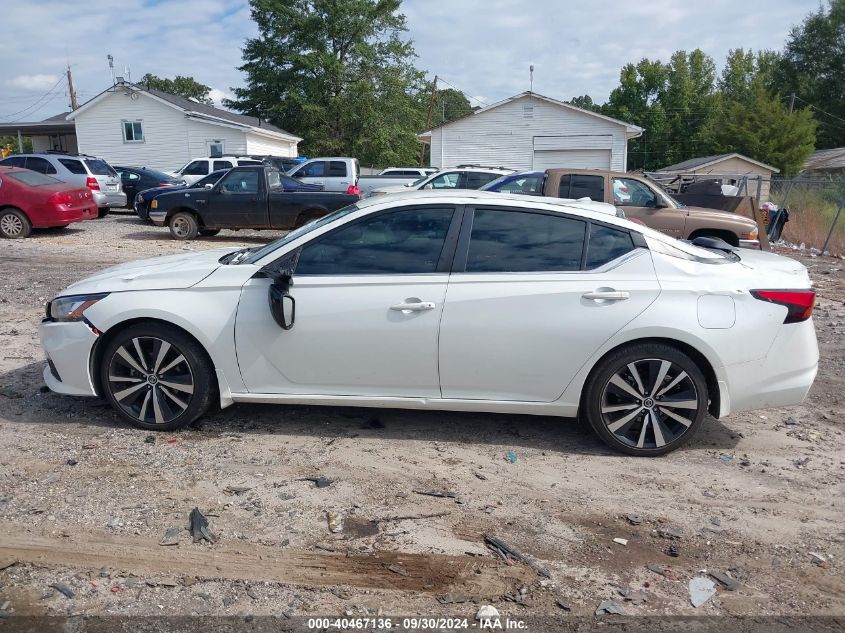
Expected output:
(813, 68)
(339, 74)
(186, 87)
(451, 104)
(585, 102)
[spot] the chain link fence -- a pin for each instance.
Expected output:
(816, 217)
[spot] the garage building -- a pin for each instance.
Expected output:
(530, 131)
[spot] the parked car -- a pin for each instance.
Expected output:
(283, 164)
(456, 178)
(551, 309)
(77, 169)
(30, 200)
(643, 200)
(198, 168)
(393, 177)
(525, 182)
(137, 179)
(251, 197)
(145, 198)
(334, 173)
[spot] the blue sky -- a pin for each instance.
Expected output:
(483, 47)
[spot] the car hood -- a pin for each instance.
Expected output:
(157, 273)
(715, 214)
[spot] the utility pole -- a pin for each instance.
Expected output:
(71, 91)
(428, 117)
(791, 103)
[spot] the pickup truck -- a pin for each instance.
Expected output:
(337, 173)
(251, 197)
(644, 201)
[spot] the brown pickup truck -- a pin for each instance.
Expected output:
(643, 200)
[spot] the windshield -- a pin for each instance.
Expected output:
(419, 181)
(256, 255)
(99, 167)
(211, 179)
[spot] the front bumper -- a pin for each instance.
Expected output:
(158, 218)
(68, 347)
(755, 244)
(109, 198)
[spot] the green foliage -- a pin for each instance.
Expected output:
(337, 73)
(186, 87)
(585, 102)
(451, 104)
(13, 141)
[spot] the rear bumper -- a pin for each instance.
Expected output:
(68, 347)
(63, 216)
(782, 378)
(109, 198)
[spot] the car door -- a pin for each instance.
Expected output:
(313, 172)
(131, 181)
(369, 296)
(237, 201)
(337, 176)
(194, 170)
(527, 305)
(445, 180)
(640, 201)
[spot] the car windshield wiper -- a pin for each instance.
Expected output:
(235, 256)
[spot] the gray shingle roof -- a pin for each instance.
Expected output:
(692, 163)
(826, 160)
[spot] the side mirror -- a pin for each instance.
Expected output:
(282, 304)
(208, 185)
(659, 203)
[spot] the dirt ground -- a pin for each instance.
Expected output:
(85, 500)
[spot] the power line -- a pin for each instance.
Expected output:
(40, 99)
(817, 109)
(463, 92)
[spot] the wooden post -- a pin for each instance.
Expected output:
(71, 91)
(428, 118)
(755, 214)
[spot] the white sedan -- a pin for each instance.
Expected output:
(464, 301)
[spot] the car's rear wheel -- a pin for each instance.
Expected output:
(646, 399)
(157, 377)
(209, 232)
(183, 226)
(14, 224)
(102, 212)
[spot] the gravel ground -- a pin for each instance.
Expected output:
(85, 500)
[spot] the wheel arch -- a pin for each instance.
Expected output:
(309, 214)
(183, 209)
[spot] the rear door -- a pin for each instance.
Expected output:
(525, 308)
(638, 200)
(41, 165)
(131, 181)
(313, 172)
(197, 169)
(239, 201)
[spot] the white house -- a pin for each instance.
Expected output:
(129, 124)
(530, 131)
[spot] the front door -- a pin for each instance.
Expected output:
(529, 307)
(369, 296)
(638, 200)
(238, 200)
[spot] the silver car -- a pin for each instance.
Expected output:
(79, 169)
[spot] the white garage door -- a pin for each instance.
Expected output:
(572, 158)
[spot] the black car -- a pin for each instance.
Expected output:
(137, 179)
(145, 197)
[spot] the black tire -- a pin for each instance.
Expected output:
(154, 389)
(671, 382)
(209, 232)
(183, 226)
(14, 224)
(102, 212)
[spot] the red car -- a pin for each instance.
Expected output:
(29, 199)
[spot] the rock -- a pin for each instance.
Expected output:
(609, 607)
(487, 612)
(673, 551)
(670, 532)
(71, 462)
(452, 598)
(563, 603)
(634, 519)
(621, 541)
(63, 589)
(171, 536)
(790, 421)
(729, 583)
(715, 520)
(701, 589)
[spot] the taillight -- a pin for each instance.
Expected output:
(798, 303)
(92, 184)
(60, 197)
(354, 190)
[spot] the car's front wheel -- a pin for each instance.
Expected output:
(646, 399)
(183, 226)
(157, 377)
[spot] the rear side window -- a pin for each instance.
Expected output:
(73, 166)
(241, 163)
(99, 167)
(581, 186)
(337, 168)
(198, 168)
(606, 244)
(33, 178)
(41, 165)
(14, 161)
(514, 241)
(476, 180)
(220, 164)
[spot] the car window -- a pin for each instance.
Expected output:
(337, 168)
(445, 181)
(73, 166)
(317, 169)
(221, 164)
(514, 241)
(128, 175)
(581, 186)
(197, 168)
(14, 161)
(240, 182)
(41, 165)
(99, 167)
(606, 244)
(245, 162)
(404, 242)
(628, 192)
(477, 179)
(274, 179)
(33, 178)
(211, 179)
(290, 183)
(521, 184)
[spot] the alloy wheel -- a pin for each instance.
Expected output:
(11, 225)
(649, 403)
(151, 380)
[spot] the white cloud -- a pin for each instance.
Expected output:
(217, 96)
(33, 82)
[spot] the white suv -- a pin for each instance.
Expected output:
(200, 167)
(468, 177)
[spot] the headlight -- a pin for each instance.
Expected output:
(154, 204)
(72, 308)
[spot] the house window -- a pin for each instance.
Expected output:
(133, 132)
(215, 148)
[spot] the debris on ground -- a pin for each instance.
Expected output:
(819, 560)
(71, 462)
(452, 598)
(511, 457)
(663, 570)
(673, 551)
(236, 490)
(701, 589)
(726, 459)
(436, 493)
(729, 583)
(715, 520)
(609, 607)
(410, 517)
(621, 541)
(397, 569)
(150, 439)
(563, 603)
(63, 589)
(335, 522)
(790, 421)
(800, 463)
(634, 597)
(480, 476)
(319, 481)
(517, 596)
(487, 612)
(198, 526)
(508, 552)
(171, 537)
(670, 532)
(634, 519)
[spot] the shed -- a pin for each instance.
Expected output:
(530, 131)
(730, 169)
(825, 162)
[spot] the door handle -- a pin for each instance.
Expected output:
(408, 306)
(607, 295)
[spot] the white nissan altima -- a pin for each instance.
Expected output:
(460, 300)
